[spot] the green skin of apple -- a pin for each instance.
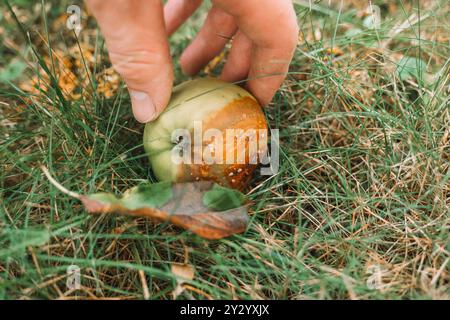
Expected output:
(191, 101)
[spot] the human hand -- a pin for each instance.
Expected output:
(265, 36)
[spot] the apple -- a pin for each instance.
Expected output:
(211, 130)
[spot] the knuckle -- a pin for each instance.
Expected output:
(139, 66)
(219, 18)
(220, 23)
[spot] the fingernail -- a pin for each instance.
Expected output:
(143, 107)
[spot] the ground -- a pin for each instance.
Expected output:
(358, 210)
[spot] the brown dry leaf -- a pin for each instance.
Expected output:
(63, 67)
(73, 69)
(336, 51)
(183, 273)
(108, 82)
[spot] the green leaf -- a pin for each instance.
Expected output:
(148, 195)
(220, 198)
(410, 67)
(104, 197)
(12, 71)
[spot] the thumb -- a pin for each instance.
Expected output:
(135, 34)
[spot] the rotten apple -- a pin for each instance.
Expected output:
(211, 130)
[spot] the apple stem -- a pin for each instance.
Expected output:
(58, 185)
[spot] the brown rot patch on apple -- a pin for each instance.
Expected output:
(240, 123)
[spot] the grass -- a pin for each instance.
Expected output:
(363, 183)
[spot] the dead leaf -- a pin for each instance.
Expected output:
(186, 205)
(336, 51)
(183, 272)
